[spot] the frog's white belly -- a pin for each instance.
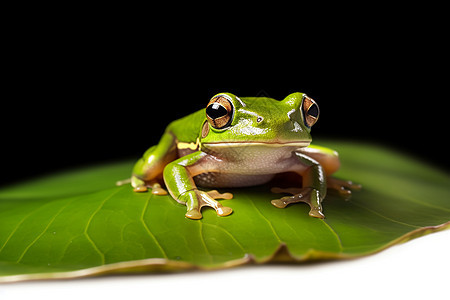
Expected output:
(247, 166)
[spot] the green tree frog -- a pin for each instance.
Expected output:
(240, 142)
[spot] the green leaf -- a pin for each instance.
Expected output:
(80, 224)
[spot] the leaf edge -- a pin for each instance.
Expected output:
(158, 265)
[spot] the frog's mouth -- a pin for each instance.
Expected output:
(296, 144)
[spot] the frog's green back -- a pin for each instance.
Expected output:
(187, 129)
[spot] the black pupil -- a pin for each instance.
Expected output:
(313, 111)
(216, 110)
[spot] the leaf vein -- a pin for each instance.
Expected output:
(202, 238)
(88, 224)
(267, 220)
(229, 234)
(426, 204)
(149, 232)
(341, 247)
(384, 217)
(43, 231)
(15, 229)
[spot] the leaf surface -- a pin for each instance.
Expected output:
(79, 223)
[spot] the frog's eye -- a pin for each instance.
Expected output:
(219, 112)
(310, 111)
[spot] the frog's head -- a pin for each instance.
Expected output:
(232, 121)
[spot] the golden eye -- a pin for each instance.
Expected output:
(219, 112)
(310, 111)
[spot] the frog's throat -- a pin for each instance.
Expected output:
(299, 144)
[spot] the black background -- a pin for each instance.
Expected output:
(75, 128)
(69, 104)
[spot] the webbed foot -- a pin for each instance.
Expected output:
(156, 189)
(196, 199)
(307, 195)
(139, 186)
(344, 188)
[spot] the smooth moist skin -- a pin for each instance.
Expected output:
(239, 142)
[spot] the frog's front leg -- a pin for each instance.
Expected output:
(314, 186)
(178, 177)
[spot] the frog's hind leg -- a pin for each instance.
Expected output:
(329, 160)
(313, 186)
(147, 172)
(343, 188)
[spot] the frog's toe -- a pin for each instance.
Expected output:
(344, 188)
(298, 195)
(140, 189)
(158, 190)
(224, 211)
(338, 184)
(194, 214)
(316, 212)
(280, 203)
(216, 195)
(208, 199)
(219, 208)
(283, 202)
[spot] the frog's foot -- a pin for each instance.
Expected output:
(307, 195)
(343, 187)
(140, 186)
(196, 199)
